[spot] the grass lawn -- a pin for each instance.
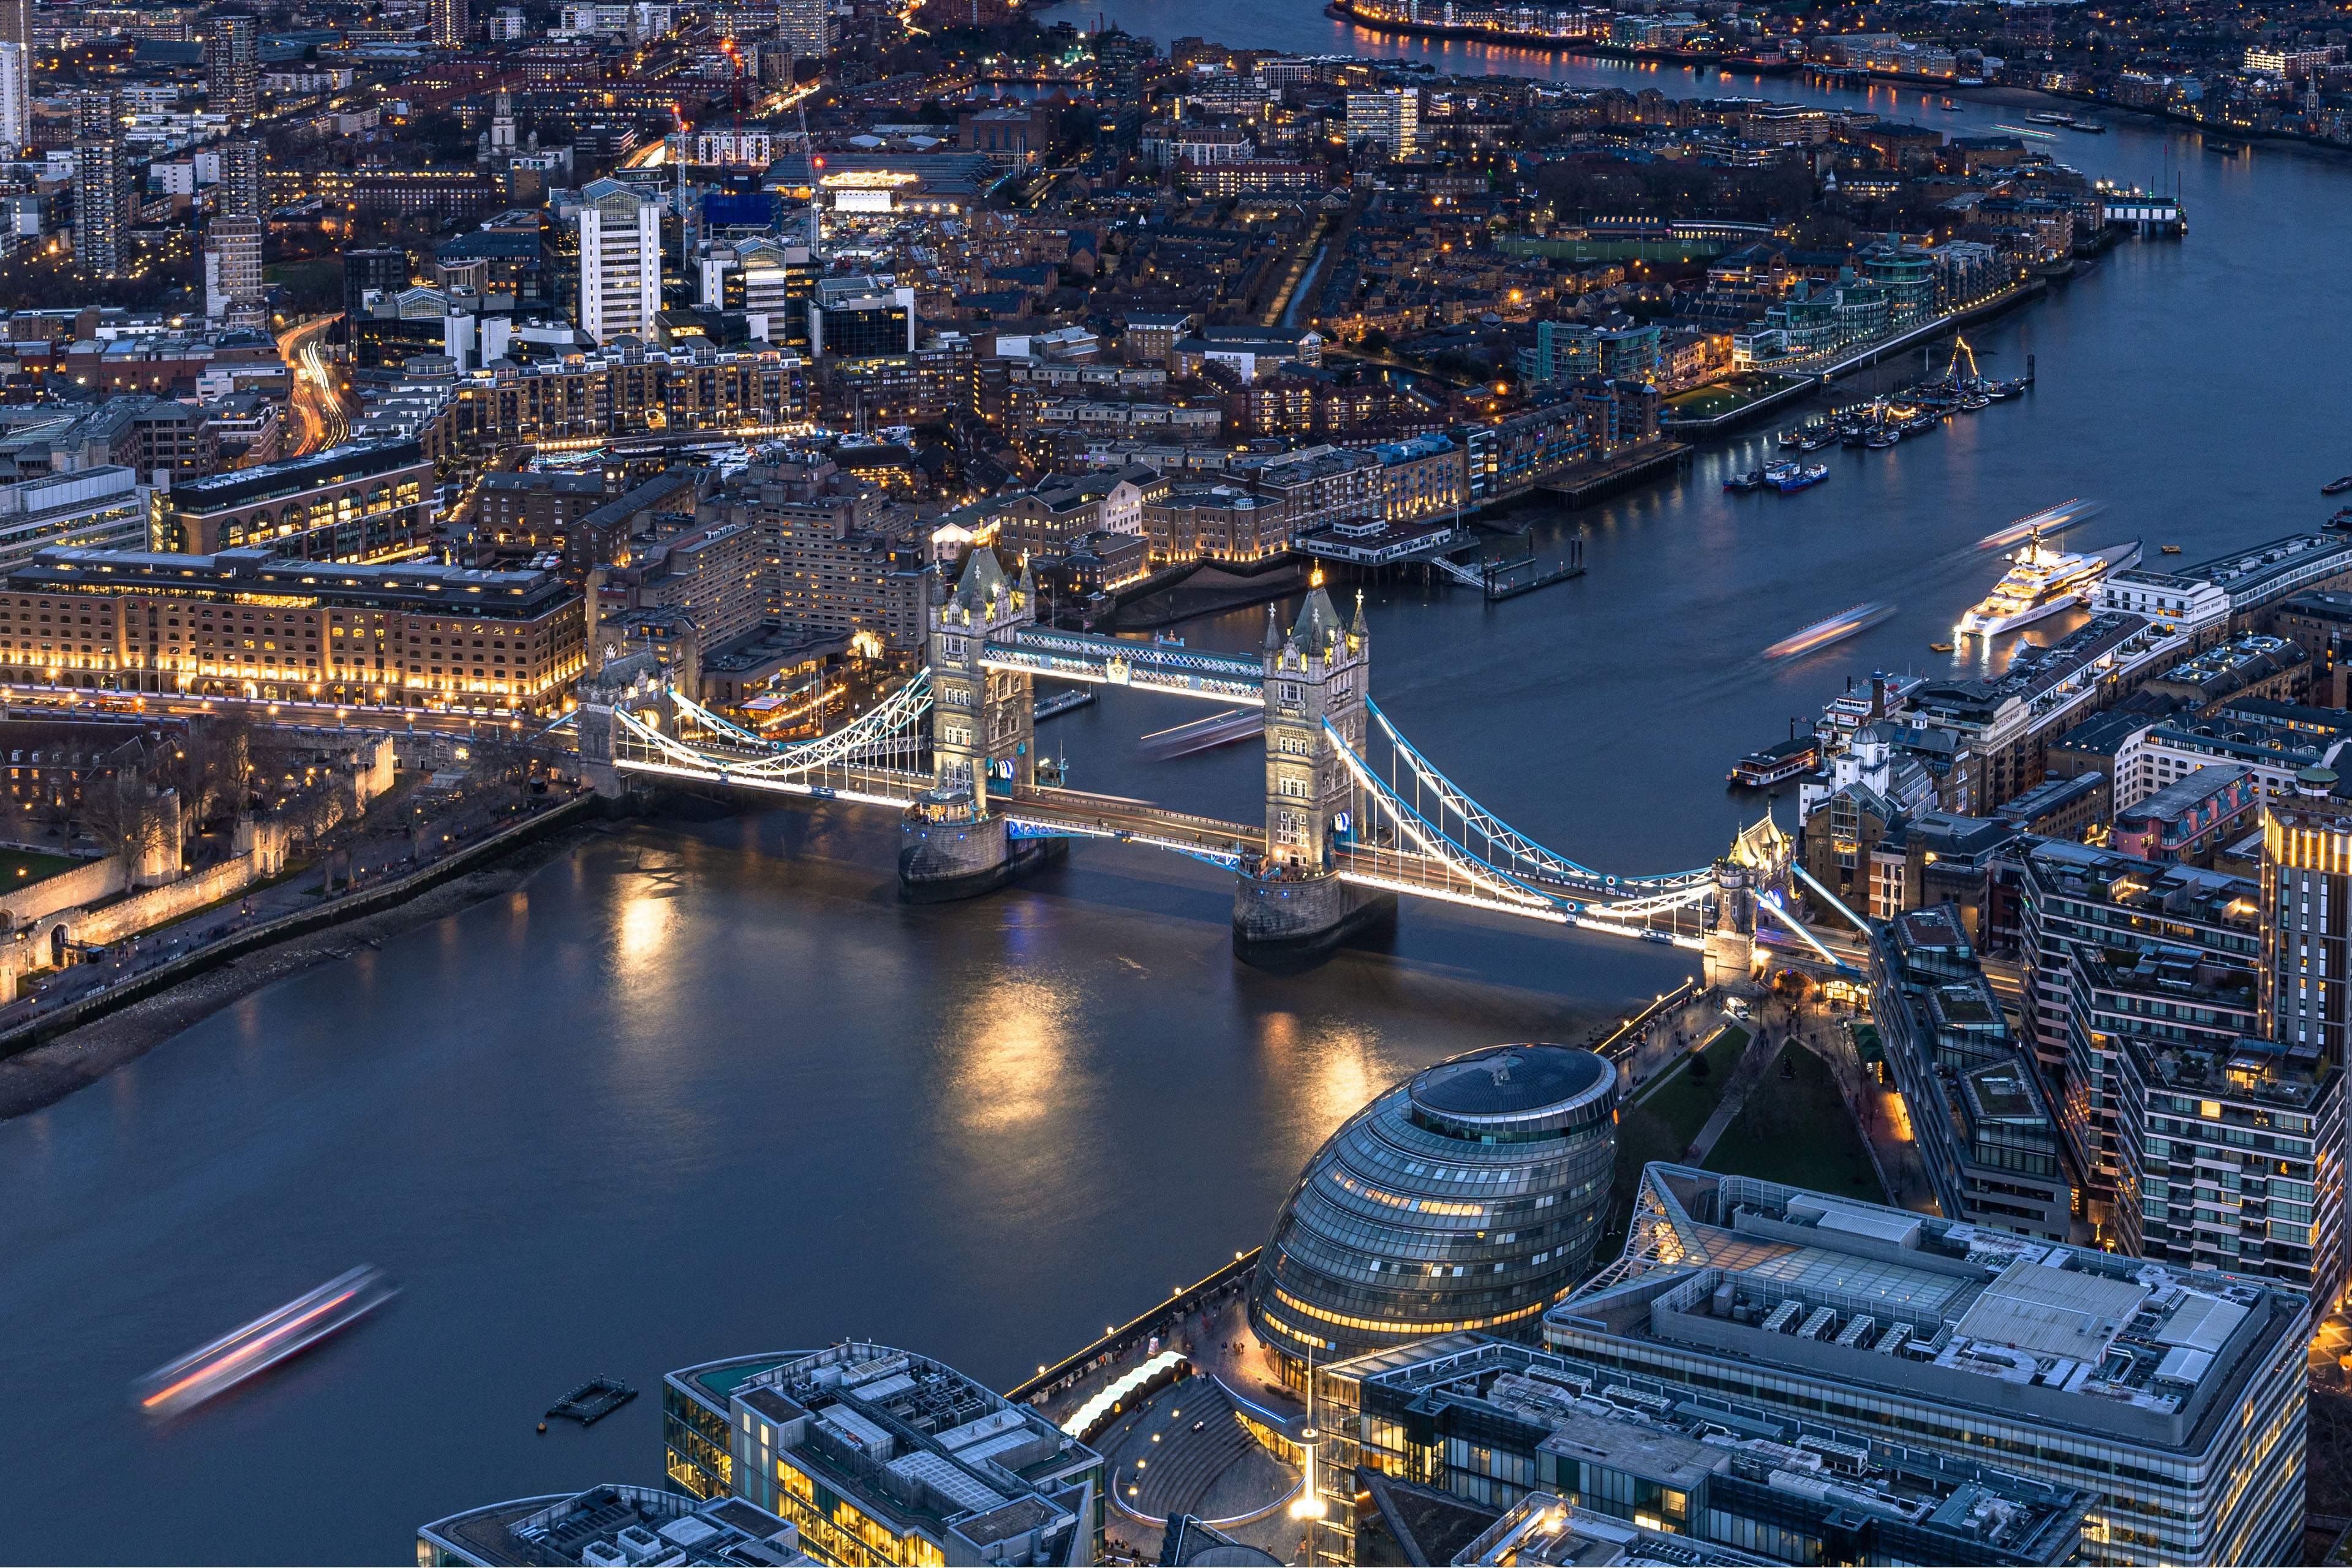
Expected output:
(23, 867)
(1660, 1124)
(1683, 1099)
(1723, 396)
(1797, 1130)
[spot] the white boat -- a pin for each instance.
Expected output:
(2041, 581)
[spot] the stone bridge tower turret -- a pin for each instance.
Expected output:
(1316, 678)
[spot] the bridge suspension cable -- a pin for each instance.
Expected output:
(883, 756)
(1505, 848)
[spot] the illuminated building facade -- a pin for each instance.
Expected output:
(591, 397)
(350, 503)
(882, 1456)
(1469, 1196)
(2308, 916)
(2232, 1158)
(243, 623)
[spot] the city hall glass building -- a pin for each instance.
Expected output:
(2174, 1396)
(1469, 1196)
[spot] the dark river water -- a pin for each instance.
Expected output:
(704, 1088)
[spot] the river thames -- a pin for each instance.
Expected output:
(702, 1089)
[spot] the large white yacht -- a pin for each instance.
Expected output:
(2041, 581)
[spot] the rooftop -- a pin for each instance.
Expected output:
(1722, 1454)
(919, 1444)
(1505, 1080)
(611, 1525)
(1736, 1269)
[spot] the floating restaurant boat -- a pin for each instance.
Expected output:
(1776, 763)
(1204, 734)
(264, 1343)
(1829, 629)
(2041, 582)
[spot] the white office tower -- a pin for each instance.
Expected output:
(620, 261)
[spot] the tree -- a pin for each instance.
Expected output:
(128, 817)
(208, 767)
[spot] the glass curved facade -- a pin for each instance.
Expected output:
(1469, 1196)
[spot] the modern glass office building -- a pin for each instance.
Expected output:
(2174, 1396)
(882, 1456)
(1509, 1427)
(1469, 1196)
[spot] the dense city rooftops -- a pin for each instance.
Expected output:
(1775, 1278)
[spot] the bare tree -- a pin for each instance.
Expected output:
(209, 765)
(127, 815)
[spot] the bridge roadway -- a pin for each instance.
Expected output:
(1076, 814)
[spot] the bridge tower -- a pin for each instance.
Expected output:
(983, 723)
(1757, 866)
(982, 720)
(1316, 678)
(636, 683)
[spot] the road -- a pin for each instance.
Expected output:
(319, 419)
(338, 715)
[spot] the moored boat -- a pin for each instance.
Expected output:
(1776, 763)
(2041, 582)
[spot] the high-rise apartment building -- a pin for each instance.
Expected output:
(451, 24)
(232, 66)
(2230, 1157)
(239, 194)
(2173, 1395)
(15, 77)
(102, 189)
(620, 261)
(233, 284)
(2307, 898)
(807, 27)
(1390, 120)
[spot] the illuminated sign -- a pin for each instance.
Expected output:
(867, 178)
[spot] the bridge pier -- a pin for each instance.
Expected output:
(949, 850)
(1280, 912)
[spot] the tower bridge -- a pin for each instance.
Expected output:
(1355, 814)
